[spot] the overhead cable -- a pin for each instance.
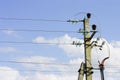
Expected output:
(43, 71)
(46, 71)
(37, 30)
(19, 42)
(30, 19)
(25, 62)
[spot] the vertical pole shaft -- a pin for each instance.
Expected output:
(87, 49)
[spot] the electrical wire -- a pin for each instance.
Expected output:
(19, 42)
(31, 30)
(30, 19)
(43, 71)
(40, 30)
(39, 63)
(50, 71)
(64, 64)
(109, 66)
(110, 72)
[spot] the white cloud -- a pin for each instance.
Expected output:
(38, 62)
(46, 64)
(38, 59)
(112, 63)
(71, 50)
(61, 74)
(7, 49)
(112, 49)
(39, 40)
(11, 33)
(115, 43)
(114, 55)
(100, 54)
(39, 76)
(76, 61)
(7, 73)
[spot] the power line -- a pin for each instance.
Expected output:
(38, 63)
(24, 62)
(110, 72)
(43, 71)
(19, 42)
(30, 19)
(58, 64)
(40, 30)
(48, 71)
(31, 30)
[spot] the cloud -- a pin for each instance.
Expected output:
(54, 70)
(78, 52)
(39, 40)
(76, 61)
(11, 33)
(38, 59)
(111, 49)
(114, 55)
(37, 62)
(70, 49)
(7, 73)
(39, 76)
(115, 43)
(76, 57)
(7, 49)
(46, 64)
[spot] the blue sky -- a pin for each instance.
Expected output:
(105, 14)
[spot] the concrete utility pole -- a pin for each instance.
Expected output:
(87, 48)
(86, 68)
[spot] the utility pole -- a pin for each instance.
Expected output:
(87, 48)
(86, 68)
